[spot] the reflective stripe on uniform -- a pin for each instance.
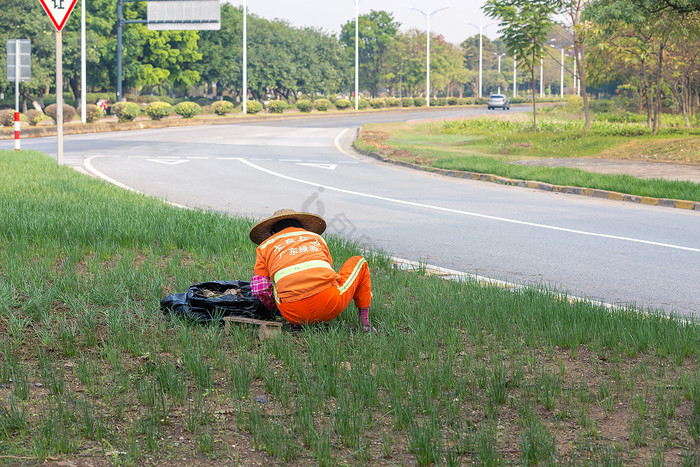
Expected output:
(353, 276)
(301, 267)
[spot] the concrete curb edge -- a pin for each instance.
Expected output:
(605, 194)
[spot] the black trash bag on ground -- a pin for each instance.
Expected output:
(215, 299)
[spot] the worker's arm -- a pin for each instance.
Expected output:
(261, 287)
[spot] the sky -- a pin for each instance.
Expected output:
(330, 15)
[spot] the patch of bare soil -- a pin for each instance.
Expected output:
(672, 150)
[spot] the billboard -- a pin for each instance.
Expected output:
(169, 15)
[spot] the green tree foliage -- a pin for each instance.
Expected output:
(525, 25)
(646, 32)
(377, 32)
(222, 52)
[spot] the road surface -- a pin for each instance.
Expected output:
(610, 251)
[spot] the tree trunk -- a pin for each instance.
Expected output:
(582, 78)
(657, 105)
(645, 91)
(534, 108)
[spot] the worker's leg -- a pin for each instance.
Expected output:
(354, 284)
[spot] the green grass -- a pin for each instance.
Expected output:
(459, 372)
(490, 145)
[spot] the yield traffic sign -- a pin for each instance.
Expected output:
(58, 11)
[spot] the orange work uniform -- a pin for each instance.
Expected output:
(306, 288)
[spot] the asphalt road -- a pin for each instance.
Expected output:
(610, 251)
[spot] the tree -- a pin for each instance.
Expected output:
(377, 32)
(573, 10)
(222, 51)
(405, 63)
(657, 30)
(524, 25)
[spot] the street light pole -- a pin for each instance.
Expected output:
(499, 67)
(541, 78)
(515, 81)
(561, 78)
(427, 75)
(481, 31)
(357, 53)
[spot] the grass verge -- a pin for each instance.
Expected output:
(494, 145)
(91, 372)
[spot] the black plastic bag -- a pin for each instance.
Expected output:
(199, 305)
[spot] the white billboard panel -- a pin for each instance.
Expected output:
(169, 15)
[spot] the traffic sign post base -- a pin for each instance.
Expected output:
(16, 131)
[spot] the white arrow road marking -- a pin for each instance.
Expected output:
(168, 162)
(468, 213)
(319, 166)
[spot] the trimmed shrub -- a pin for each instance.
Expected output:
(253, 107)
(159, 110)
(440, 101)
(277, 106)
(453, 101)
(342, 104)
(322, 105)
(7, 117)
(92, 113)
(481, 101)
(222, 107)
(126, 111)
(304, 105)
(68, 112)
(407, 102)
(419, 101)
(377, 103)
(362, 104)
(37, 116)
(187, 109)
(392, 101)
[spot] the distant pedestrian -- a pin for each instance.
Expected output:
(293, 271)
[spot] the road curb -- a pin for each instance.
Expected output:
(572, 190)
(99, 127)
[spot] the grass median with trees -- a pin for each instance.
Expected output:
(90, 370)
(495, 144)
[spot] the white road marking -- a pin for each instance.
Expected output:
(290, 160)
(468, 213)
(168, 162)
(319, 166)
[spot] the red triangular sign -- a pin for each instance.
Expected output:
(58, 11)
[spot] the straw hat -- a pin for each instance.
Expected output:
(309, 221)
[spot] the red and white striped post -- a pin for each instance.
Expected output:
(16, 131)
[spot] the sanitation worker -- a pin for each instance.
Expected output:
(294, 271)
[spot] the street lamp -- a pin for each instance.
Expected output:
(481, 34)
(499, 67)
(427, 78)
(561, 78)
(357, 54)
(541, 77)
(515, 74)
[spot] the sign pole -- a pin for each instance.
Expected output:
(59, 95)
(83, 66)
(17, 75)
(16, 95)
